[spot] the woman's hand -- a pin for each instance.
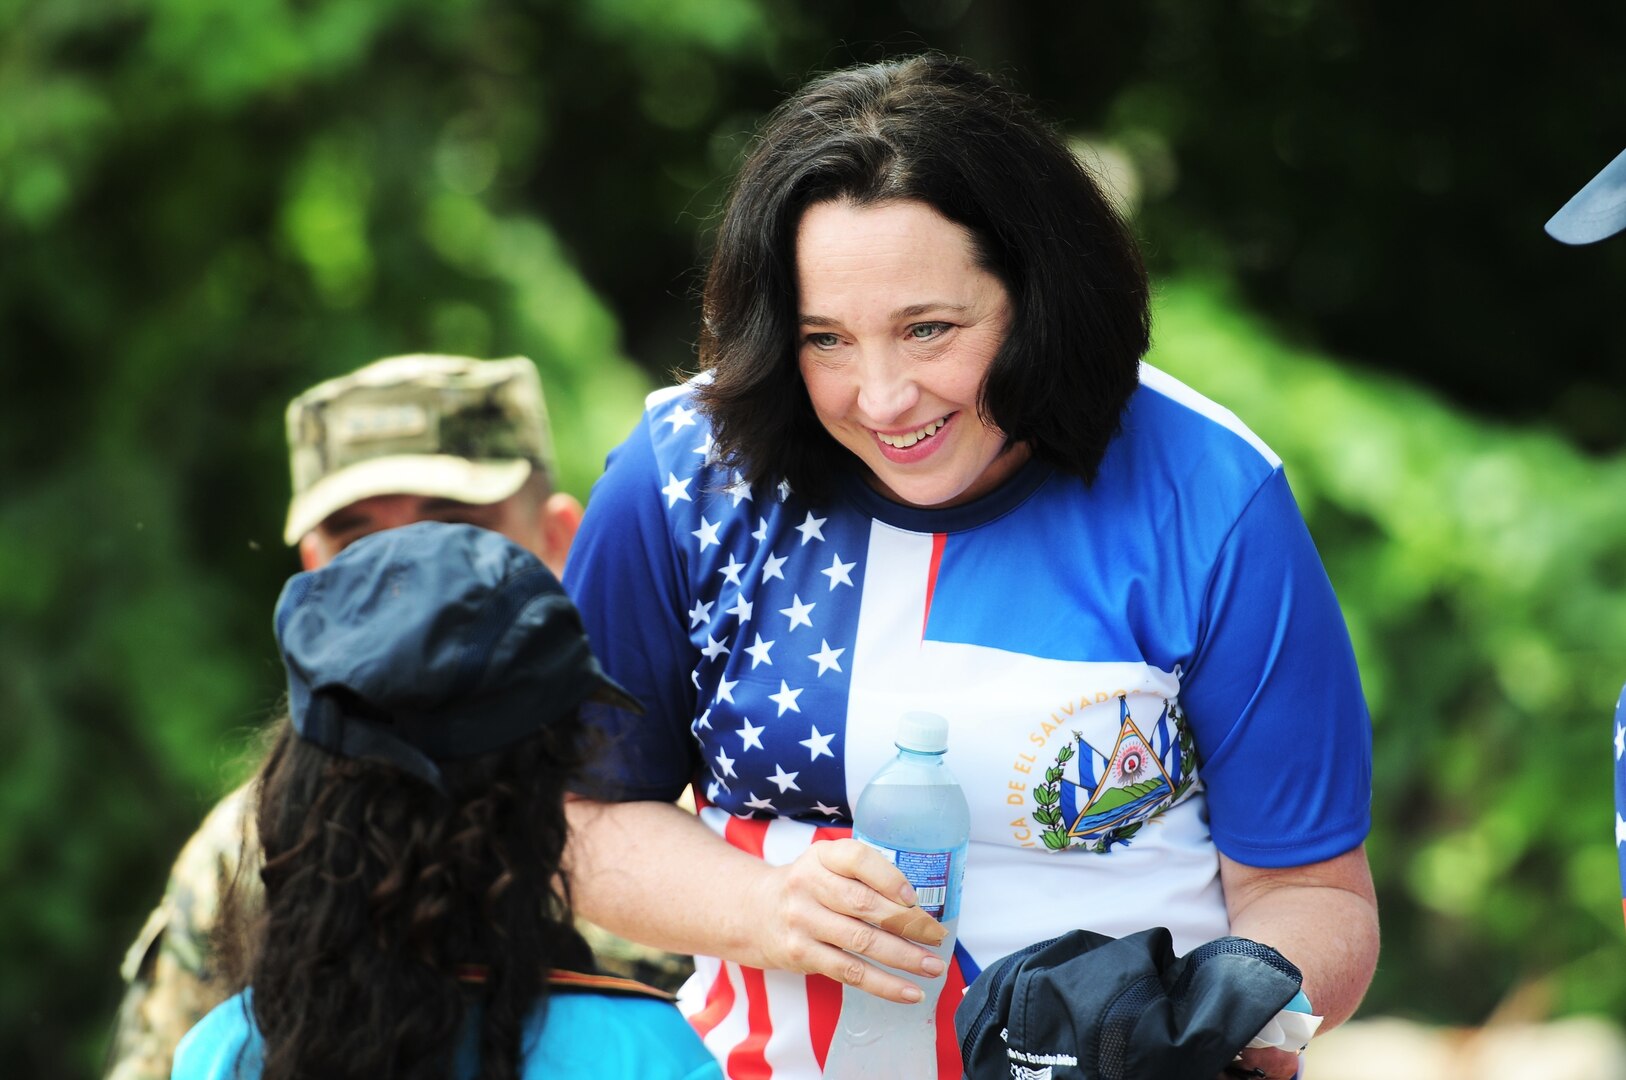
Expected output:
(1266, 1063)
(655, 874)
(839, 905)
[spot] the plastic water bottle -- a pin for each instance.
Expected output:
(915, 814)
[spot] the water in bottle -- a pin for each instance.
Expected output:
(914, 812)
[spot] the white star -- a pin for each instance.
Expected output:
(1620, 830)
(833, 811)
(676, 490)
(759, 804)
(771, 568)
(762, 530)
(726, 763)
(680, 418)
(837, 572)
(750, 736)
(707, 533)
(714, 648)
(1620, 741)
(785, 780)
(700, 613)
(798, 613)
(694, 677)
(759, 653)
(725, 691)
(742, 609)
(810, 529)
(827, 658)
(711, 791)
(704, 721)
(786, 699)
(784, 490)
(739, 490)
(818, 744)
(704, 448)
(731, 572)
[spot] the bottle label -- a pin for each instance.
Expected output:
(935, 876)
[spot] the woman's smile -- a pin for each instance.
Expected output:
(909, 439)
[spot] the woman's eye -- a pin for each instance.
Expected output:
(927, 330)
(822, 341)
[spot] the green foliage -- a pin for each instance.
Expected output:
(1324, 156)
(1480, 569)
(206, 206)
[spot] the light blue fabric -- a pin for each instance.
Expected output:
(599, 1036)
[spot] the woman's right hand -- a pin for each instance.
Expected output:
(839, 910)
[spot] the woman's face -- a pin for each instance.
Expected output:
(898, 327)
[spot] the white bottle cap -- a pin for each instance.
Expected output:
(922, 732)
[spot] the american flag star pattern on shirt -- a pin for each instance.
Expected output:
(1620, 791)
(773, 623)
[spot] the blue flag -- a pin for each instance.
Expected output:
(1620, 791)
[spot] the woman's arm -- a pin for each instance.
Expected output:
(655, 874)
(1324, 918)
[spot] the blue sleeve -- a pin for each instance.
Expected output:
(657, 1042)
(614, 1038)
(224, 1045)
(1274, 698)
(625, 575)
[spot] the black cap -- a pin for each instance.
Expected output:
(1597, 211)
(1087, 1005)
(433, 642)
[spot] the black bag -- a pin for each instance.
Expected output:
(1084, 1006)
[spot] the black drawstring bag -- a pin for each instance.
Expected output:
(1085, 1005)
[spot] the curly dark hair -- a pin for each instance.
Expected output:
(381, 894)
(934, 129)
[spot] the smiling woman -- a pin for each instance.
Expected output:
(1006, 196)
(925, 469)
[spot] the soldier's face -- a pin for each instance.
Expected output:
(515, 517)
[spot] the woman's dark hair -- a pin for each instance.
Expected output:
(932, 129)
(382, 896)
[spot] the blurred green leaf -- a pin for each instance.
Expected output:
(1479, 568)
(205, 207)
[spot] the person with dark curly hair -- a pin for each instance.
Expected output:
(415, 921)
(924, 467)
(407, 438)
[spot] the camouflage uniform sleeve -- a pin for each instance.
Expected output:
(630, 960)
(169, 972)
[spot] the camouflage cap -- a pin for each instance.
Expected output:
(442, 426)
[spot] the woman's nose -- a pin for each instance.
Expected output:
(886, 389)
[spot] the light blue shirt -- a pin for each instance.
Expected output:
(593, 1035)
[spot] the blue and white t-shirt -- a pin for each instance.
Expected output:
(1137, 674)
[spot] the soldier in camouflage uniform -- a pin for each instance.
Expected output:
(410, 438)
